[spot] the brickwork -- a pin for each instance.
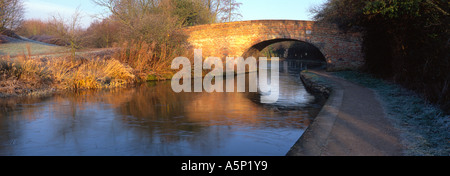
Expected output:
(236, 39)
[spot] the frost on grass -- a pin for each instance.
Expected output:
(425, 128)
(17, 47)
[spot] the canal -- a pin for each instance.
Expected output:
(151, 120)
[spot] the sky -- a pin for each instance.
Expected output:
(250, 9)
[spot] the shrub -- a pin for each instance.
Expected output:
(22, 75)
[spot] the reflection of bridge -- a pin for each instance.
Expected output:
(247, 38)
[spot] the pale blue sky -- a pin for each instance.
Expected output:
(278, 9)
(250, 10)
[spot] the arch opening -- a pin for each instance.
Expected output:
(289, 49)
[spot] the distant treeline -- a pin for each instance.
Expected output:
(294, 50)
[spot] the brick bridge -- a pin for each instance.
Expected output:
(247, 38)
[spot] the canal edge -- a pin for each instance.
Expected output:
(314, 139)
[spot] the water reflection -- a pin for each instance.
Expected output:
(151, 119)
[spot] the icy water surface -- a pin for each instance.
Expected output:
(151, 119)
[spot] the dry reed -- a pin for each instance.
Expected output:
(148, 60)
(23, 75)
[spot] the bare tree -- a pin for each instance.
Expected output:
(69, 30)
(11, 14)
(214, 7)
(154, 20)
(128, 12)
(102, 34)
(230, 11)
(224, 10)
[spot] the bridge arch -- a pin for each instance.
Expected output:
(235, 39)
(256, 48)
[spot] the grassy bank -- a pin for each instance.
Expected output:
(24, 76)
(425, 128)
(316, 84)
(49, 72)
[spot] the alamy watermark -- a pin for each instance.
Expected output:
(234, 68)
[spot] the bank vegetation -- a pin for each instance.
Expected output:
(406, 42)
(144, 36)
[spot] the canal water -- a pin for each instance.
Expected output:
(152, 120)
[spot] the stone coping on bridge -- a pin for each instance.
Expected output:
(249, 22)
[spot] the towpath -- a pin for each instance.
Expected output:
(352, 123)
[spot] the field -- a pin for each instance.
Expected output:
(23, 46)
